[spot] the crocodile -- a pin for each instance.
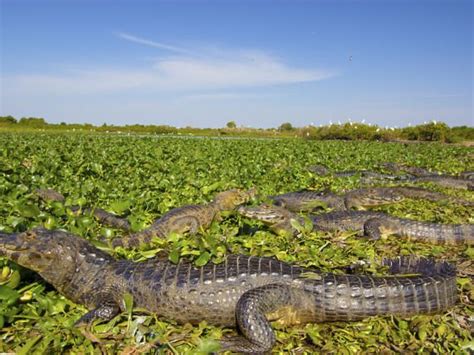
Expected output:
(244, 291)
(309, 201)
(190, 218)
(368, 223)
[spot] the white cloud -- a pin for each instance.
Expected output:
(154, 44)
(211, 69)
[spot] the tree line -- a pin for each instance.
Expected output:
(432, 131)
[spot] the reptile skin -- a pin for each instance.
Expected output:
(308, 201)
(368, 223)
(243, 291)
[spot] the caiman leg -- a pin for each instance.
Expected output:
(251, 316)
(135, 240)
(189, 224)
(104, 312)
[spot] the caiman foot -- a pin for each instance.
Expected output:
(104, 312)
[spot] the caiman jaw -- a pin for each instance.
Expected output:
(11, 246)
(260, 214)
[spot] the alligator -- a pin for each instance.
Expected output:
(190, 218)
(368, 223)
(244, 291)
(309, 201)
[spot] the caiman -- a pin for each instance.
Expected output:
(463, 181)
(324, 171)
(308, 201)
(369, 223)
(417, 171)
(243, 291)
(190, 218)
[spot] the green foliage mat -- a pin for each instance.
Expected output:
(142, 178)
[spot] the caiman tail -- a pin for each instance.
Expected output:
(343, 298)
(451, 234)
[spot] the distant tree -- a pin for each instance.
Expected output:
(287, 126)
(32, 121)
(231, 124)
(7, 119)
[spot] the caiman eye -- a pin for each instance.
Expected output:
(30, 236)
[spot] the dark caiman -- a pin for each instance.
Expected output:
(308, 201)
(463, 181)
(247, 292)
(324, 171)
(417, 171)
(368, 223)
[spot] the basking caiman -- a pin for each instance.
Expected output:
(243, 291)
(184, 219)
(324, 171)
(464, 181)
(189, 218)
(369, 223)
(417, 171)
(308, 201)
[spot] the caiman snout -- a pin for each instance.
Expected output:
(12, 245)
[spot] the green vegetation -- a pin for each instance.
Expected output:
(430, 132)
(144, 177)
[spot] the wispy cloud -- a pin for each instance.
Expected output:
(214, 69)
(154, 44)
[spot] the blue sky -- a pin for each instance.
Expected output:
(259, 63)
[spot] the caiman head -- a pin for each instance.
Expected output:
(54, 254)
(277, 218)
(229, 200)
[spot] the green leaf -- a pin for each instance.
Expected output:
(26, 349)
(174, 256)
(8, 295)
(203, 259)
(119, 207)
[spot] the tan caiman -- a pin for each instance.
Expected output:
(243, 291)
(190, 218)
(308, 201)
(369, 223)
